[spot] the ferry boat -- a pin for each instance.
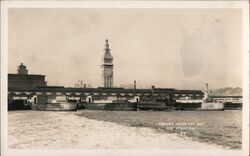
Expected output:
(111, 103)
(205, 104)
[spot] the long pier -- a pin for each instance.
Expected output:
(182, 98)
(103, 92)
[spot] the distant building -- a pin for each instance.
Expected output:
(23, 80)
(227, 99)
(187, 94)
(107, 67)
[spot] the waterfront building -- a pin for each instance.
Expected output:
(187, 94)
(230, 102)
(107, 67)
(24, 80)
(229, 99)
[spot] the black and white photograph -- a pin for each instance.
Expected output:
(109, 76)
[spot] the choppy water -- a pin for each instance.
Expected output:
(214, 127)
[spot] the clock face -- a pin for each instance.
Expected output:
(109, 72)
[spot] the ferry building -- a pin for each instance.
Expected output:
(23, 87)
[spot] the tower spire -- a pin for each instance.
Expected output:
(106, 44)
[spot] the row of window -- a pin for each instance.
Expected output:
(187, 95)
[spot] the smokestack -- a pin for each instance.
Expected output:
(153, 90)
(134, 87)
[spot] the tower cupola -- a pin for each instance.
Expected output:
(108, 58)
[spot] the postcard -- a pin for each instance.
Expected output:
(125, 78)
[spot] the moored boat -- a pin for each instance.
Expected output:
(53, 103)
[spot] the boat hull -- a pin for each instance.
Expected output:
(111, 106)
(63, 106)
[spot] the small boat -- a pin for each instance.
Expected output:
(212, 106)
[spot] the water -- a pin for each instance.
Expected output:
(213, 127)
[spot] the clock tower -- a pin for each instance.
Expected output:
(107, 67)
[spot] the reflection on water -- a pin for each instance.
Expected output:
(215, 127)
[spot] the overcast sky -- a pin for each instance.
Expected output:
(175, 48)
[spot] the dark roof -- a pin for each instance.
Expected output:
(50, 86)
(164, 89)
(188, 91)
(100, 90)
(226, 96)
(21, 75)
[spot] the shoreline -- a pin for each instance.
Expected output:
(53, 130)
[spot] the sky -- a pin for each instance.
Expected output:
(170, 48)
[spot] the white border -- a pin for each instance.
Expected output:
(244, 5)
(245, 76)
(125, 4)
